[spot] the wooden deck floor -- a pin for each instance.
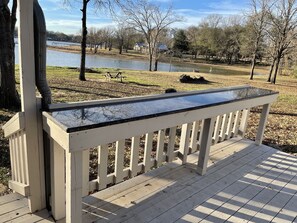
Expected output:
(244, 183)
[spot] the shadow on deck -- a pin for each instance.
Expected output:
(244, 182)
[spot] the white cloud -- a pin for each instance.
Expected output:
(228, 7)
(74, 26)
(69, 20)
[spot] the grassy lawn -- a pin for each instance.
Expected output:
(281, 131)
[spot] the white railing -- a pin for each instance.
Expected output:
(159, 140)
(153, 149)
(23, 163)
(14, 131)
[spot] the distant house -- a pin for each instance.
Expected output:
(139, 47)
(143, 48)
(162, 47)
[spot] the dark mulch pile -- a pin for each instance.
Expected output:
(184, 78)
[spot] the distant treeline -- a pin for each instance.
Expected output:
(59, 36)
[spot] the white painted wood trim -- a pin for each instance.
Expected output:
(20, 188)
(243, 122)
(171, 144)
(160, 147)
(262, 124)
(56, 131)
(224, 127)
(148, 151)
(12, 163)
(134, 156)
(73, 187)
(58, 199)
(184, 141)
(205, 145)
(22, 158)
(230, 125)
(217, 129)
(85, 172)
(17, 158)
(41, 151)
(200, 134)
(15, 124)
(102, 166)
(28, 102)
(194, 136)
(236, 123)
(119, 161)
(24, 146)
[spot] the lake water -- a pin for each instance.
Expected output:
(66, 59)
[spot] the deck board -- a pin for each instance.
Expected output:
(244, 182)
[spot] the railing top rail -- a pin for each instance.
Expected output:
(105, 114)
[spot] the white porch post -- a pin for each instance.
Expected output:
(206, 139)
(58, 191)
(262, 124)
(28, 96)
(74, 162)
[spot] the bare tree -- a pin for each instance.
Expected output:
(164, 40)
(257, 18)
(8, 94)
(193, 36)
(83, 40)
(230, 46)
(150, 20)
(282, 32)
(92, 39)
(108, 36)
(98, 4)
(120, 34)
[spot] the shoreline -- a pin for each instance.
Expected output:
(261, 70)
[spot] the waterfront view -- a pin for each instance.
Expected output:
(69, 59)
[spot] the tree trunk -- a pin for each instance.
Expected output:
(196, 55)
(8, 94)
(121, 44)
(150, 62)
(150, 58)
(271, 70)
(156, 65)
(276, 70)
(83, 41)
(95, 48)
(253, 67)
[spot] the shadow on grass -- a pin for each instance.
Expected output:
(141, 84)
(83, 92)
(283, 85)
(276, 113)
(288, 148)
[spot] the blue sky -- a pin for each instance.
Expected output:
(68, 19)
